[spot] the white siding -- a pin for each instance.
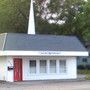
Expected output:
(5, 74)
(10, 73)
(72, 68)
(70, 63)
(3, 68)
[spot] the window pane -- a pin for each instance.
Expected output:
(32, 66)
(52, 66)
(84, 60)
(42, 66)
(62, 64)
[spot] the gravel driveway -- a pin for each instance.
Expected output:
(46, 85)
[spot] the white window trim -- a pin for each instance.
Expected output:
(55, 67)
(48, 67)
(36, 67)
(65, 66)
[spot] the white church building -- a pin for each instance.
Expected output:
(38, 57)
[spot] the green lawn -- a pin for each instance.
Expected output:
(85, 72)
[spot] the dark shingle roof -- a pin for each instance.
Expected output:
(13, 41)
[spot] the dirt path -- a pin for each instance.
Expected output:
(46, 85)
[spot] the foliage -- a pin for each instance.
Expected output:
(84, 67)
(13, 15)
(73, 13)
(87, 77)
(84, 72)
(62, 17)
(21, 9)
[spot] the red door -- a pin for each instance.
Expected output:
(17, 69)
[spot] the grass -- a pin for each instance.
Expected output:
(85, 72)
(87, 77)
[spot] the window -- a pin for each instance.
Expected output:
(84, 60)
(52, 66)
(42, 66)
(62, 64)
(32, 66)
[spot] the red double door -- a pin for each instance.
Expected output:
(17, 69)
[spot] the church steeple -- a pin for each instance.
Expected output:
(31, 24)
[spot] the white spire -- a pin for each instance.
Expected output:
(31, 24)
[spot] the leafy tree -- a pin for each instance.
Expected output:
(73, 13)
(87, 21)
(59, 17)
(14, 15)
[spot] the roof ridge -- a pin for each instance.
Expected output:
(42, 35)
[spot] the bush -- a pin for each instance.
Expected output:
(88, 67)
(83, 67)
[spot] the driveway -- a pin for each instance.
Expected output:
(47, 85)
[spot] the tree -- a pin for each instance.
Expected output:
(87, 21)
(14, 15)
(73, 13)
(59, 17)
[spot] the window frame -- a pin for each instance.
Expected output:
(63, 68)
(32, 67)
(55, 67)
(43, 67)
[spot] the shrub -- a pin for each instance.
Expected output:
(81, 67)
(88, 67)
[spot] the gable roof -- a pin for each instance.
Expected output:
(27, 42)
